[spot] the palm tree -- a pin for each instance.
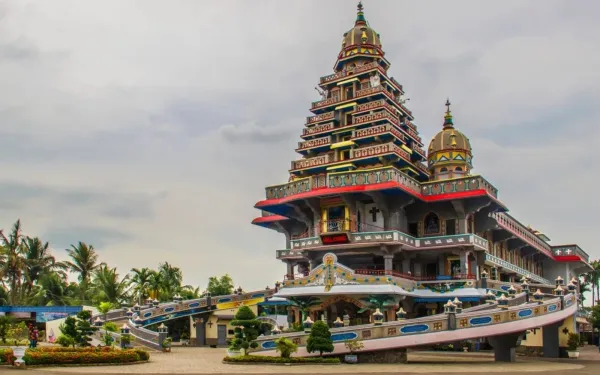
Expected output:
(84, 262)
(140, 281)
(189, 292)
(584, 287)
(171, 277)
(11, 260)
(39, 262)
(52, 290)
(108, 287)
(156, 284)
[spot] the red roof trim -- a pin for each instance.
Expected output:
(268, 219)
(374, 187)
(568, 258)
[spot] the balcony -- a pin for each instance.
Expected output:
(313, 143)
(511, 225)
(378, 130)
(365, 234)
(418, 150)
(316, 161)
(467, 183)
(317, 129)
(350, 72)
(370, 106)
(291, 188)
(321, 117)
(379, 150)
(377, 116)
(498, 262)
(408, 276)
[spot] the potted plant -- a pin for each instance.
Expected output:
(20, 334)
(353, 346)
(573, 345)
(185, 339)
(166, 344)
(467, 345)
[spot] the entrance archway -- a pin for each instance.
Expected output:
(340, 306)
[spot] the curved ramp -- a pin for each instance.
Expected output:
(439, 328)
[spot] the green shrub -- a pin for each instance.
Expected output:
(56, 349)
(286, 347)
(65, 341)
(111, 327)
(573, 342)
(5, 355)
(265, 359)
(42, 357)
(247, 329)
(319, 339)
(144, 355)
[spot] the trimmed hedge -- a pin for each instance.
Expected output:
(71, 356)
(265, 359)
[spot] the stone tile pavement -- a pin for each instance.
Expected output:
(208, 361)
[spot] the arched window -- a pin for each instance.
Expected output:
(444, 169)
(432, 224)
(458, 169)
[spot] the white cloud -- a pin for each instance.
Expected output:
(197, 106)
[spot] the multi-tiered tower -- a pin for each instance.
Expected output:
(363, 215)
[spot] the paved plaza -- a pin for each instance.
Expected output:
(208, 361)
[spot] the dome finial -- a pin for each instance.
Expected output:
(360, 16)
(448, 118)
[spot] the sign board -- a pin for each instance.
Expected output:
(44, 317)
(334, 238)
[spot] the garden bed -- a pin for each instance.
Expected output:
(257, 359)
(52, 356)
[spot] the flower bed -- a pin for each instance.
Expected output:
(265, 359)
(77, 356)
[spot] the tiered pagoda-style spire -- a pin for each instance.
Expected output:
(361, 121)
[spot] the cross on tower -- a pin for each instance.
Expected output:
(373, 211)
(448, 105)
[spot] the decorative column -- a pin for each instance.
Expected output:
(290, 270)
(163, 334)
(450, 310)
(388, 262)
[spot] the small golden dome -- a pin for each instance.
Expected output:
(361, 35)
(449, 153)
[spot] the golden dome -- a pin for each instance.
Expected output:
(449, 152)
(361, 39)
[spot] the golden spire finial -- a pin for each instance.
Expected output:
(448, 118)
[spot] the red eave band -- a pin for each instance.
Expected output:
(374, 187)
(568, 258)
(270, 218)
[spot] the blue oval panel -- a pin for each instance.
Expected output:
(525, 313)
(222, 300)
(148, 314)
(415, 328)
(504, 287)
(480, 320)
(258, 295)
(194, 304)
(552, 308)
(268, 345)
(169, 309)
(343, 336)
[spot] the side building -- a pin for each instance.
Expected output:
(388, 224)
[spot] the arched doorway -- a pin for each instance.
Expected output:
(341, 306)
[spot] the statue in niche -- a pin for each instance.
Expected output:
(432, 224)
(375, 81)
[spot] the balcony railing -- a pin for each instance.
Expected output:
(317, 129)
(511, 225)
(353, 71)
(311, 162)
(518, 270)
(377, 116)
(322, 117)
(381, 149)
(376, 130)
(467, 183)
(294, 276)
(408, 276)
(316, 142)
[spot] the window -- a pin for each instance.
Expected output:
(458, 169)
(450, 227)
(335, 219)
(349, 93)
(432, 224)
(349, 119)
(444, 169)
(413, 229)
(345, 155)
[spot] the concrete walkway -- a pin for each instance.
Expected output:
(208, 361)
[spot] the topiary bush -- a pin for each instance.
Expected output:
(319, 339)
(247, 329)
(265, 359)
(285, 347)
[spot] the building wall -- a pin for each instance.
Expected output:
(535, 337)
(52, 327)
(220, 317)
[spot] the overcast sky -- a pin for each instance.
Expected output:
(150, 128)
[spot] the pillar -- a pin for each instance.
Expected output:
(406, 265)
(313, 264)
(550, 340)
(464, 262)
(504, 346)
(442, 264)
(388, 262)
(290, 270)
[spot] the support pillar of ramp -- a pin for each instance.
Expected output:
(505, 345)
(550, 340)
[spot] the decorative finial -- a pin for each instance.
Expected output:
(448, 124)
(360, 16)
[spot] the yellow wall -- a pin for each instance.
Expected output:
(536, 339)
(53, 327)
(217, 318)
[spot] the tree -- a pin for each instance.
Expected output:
(12, 261)
(222, 286)
(38, 262)
(319, 339)
(140, 282)
(247, 329)
(52, 290)
(78, 329)
(84, 261)
(108, 287)
(171, 279)
(5, 323)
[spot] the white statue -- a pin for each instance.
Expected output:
(375, 80)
